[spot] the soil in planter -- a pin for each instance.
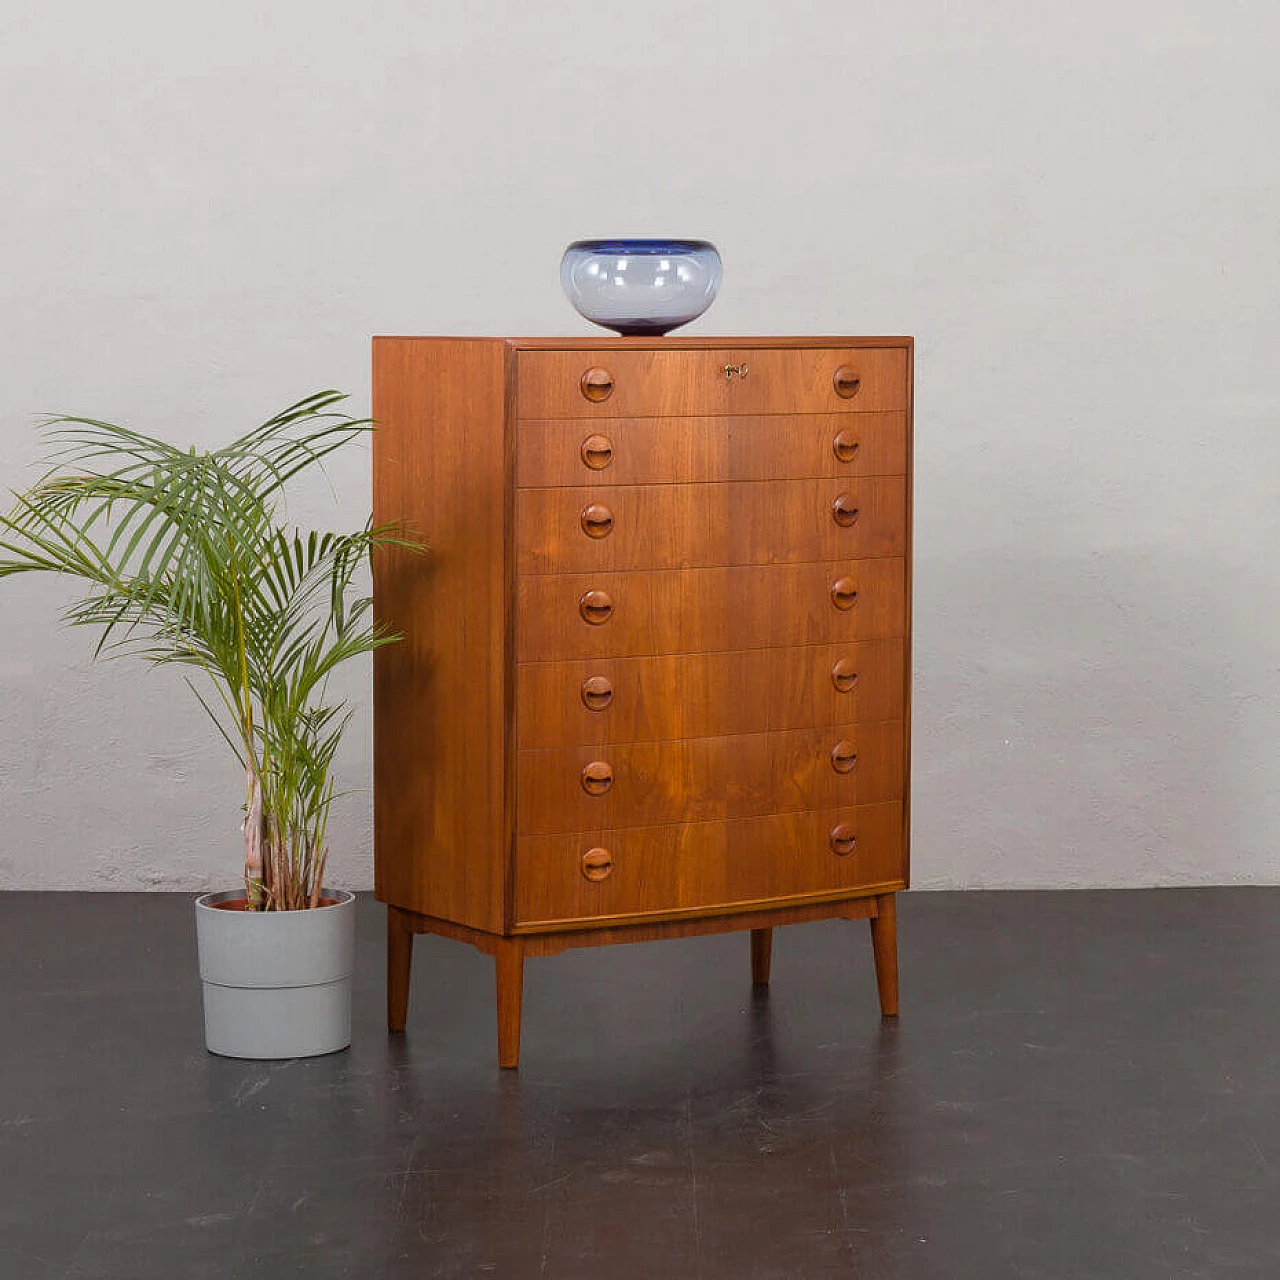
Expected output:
(242, 904)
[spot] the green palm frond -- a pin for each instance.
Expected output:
(183, 560)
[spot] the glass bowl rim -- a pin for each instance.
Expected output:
(620, 245)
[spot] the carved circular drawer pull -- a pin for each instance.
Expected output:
(597, 384)
(844, 594)
(844, 757)
(596, 607)
(843, 675)
(597, 452)
(844, 446)
(843, 839)
(846, 382)
(597, 777)
(843, 512)
(596, 521)
(597, 693)
(597, 864)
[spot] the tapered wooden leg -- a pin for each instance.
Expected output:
(399, 966)
(884, 942)
(761, 955)
(509, 963)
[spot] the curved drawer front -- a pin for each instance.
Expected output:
(604, 382)
(599, 877)
(555, 453)
(708, 779)
(696, 525)
(708, 610)
(696, 695)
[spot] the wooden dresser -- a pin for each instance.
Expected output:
(655, 674)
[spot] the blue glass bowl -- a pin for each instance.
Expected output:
(641, 288)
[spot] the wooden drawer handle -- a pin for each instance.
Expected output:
(597, 693)
(844, 757)
(844, 675)
(596, 452)
(597, 384)
(843, 839)
(846, 381)
(597, 777)
(844, 594)
(844, 446)
(597, 864)
(597, 521)
(596, 607)
(843, 511)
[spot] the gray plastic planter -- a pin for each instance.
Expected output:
(277, 984)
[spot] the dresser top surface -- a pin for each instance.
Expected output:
(594, 342)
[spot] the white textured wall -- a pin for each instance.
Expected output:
(208, 209)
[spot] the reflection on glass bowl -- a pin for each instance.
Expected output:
(641, 287)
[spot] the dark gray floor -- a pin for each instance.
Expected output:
(1082, 1085)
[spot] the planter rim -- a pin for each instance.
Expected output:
(209, 902)
(266, 949)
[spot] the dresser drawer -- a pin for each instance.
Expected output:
(557, 452)
(708, 610)
(640, 784)
(607, 700)
(613, 382)
(701, 525)
(705, 866)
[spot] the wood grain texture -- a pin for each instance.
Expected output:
(440, 695)
(707, 779)
(399, 966)
(549, 453)
(509, 981)
(701, 694)
(908, 631)
(705, 525)
(706, 342)
(710, 610)
(666, 382)
(761, 956)
(884, 945)
(720, 566)
(554, 942)
(707, 865)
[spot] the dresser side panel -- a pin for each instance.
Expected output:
(440, 464)
(908, 628)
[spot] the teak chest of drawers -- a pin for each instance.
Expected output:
(655, 670)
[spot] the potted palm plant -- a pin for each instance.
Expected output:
(184, 558)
